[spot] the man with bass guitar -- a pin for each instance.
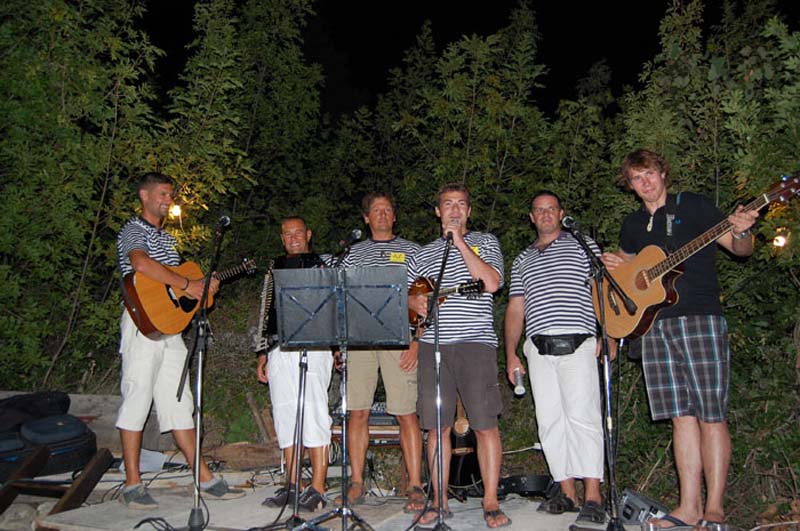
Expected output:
(152, 368)
(685, 355)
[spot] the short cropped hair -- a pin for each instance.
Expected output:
(151, 179)
(366, 203)
(294, 218)
(540, 193)
(642, 159)
(452, 187)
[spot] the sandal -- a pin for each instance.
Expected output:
(592, 512)
(353, 500)
(558, 504)
(431, 514)
(416, 500)
(494, 515)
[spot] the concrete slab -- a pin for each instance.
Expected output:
(382, 513)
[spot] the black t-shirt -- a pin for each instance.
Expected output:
(698, 290)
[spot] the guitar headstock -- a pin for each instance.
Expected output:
(473, 287)
(249, 266)
(785, 189)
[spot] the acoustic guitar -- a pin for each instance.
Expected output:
(161, 309)
(424, 286)
(649, 279)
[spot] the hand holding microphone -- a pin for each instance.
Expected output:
(519, 388)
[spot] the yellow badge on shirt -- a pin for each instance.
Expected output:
(475, 249)
(398, 258)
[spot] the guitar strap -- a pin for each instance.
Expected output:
(131, 307)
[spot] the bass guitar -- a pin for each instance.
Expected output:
(424, 286)
(161, 309)
(649, 279)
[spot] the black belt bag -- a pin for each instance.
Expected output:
(559, 345)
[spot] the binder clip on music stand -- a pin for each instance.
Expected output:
(361, 306)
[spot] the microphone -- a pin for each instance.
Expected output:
(519, 389)
(449, 236)
(224, 222)
(568, 222)
(354, 236)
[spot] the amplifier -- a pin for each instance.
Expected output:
(635, 508)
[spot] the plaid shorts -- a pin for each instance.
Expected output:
(686, 363)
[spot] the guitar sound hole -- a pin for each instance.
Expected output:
(187, 304)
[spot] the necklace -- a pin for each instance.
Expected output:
(650, 223)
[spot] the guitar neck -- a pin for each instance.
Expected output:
(711, 235)
(230, 272)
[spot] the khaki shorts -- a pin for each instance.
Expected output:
(362, 380)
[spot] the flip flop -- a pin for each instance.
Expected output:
(431, 514)
(558, 504)
(416, 500)
(355, 500)
(495, 514)
(677, 522)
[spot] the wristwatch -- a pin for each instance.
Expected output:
(742, 235)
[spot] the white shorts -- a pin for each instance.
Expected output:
(284, 380)
(151, 371)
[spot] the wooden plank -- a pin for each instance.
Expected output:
(28, 468)
(80, 489)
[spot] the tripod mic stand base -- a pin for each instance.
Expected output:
(290, 523)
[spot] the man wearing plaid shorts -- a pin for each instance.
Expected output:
(685, 354)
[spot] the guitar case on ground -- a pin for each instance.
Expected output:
(40, 419)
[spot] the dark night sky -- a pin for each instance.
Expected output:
(358, 41)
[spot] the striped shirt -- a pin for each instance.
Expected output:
(157, 243)
(371, 253)
(462, 318)
(556, 287)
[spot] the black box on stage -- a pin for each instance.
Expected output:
(70, 441)
(635, 508)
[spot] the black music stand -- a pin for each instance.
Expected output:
(360, 306)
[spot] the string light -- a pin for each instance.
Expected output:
(175, 212)
(781, 238)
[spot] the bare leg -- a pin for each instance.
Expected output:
(357, 444)
(185, 439)
(716, 451)
(319, 467)
(411, 445)
(131, 447)
(568, 488)
(686, 444)
(288, 458)
(591, 487)
(490, 450)
(434, 473)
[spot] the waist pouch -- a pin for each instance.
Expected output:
(559, 345)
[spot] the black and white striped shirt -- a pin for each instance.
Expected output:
(462, 318)
(159, 244)
(371, 253)
(555, 284)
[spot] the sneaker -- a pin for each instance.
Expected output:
(219, 490)
(281, 497)
(137, 497)
(311, 500)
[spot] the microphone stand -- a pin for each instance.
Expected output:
(202, 330)
(598, 273)
(433, 318)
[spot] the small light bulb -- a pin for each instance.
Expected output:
(175, 210)
(779, 241)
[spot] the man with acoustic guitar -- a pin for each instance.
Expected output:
(468, 346)
(398, 367)
(152, 368)
(685, 355)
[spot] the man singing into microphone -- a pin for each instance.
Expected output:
(398, 367)
(468, 346)
(551, 297)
